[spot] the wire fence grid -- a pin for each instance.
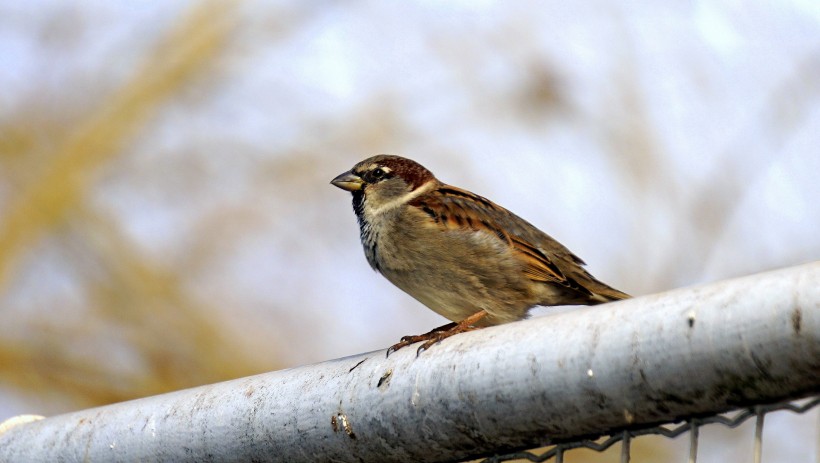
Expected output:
(670, 430)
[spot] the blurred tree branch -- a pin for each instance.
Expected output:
(178, 341)
(98, 139)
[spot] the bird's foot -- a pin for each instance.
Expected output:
(438, 334)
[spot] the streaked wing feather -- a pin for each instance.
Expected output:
(452, 207)
(538, 266)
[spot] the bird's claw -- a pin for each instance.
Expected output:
(428, 344)
(396, 347)
(437, 335)
(406, 341)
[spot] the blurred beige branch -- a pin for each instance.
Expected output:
(47, 197)
(178, 342)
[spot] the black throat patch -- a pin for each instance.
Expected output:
(369, 239)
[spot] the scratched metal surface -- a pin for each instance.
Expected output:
(584, 372)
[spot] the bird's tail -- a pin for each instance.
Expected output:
(602, 293)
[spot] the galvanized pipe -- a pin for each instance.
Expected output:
(585, 372)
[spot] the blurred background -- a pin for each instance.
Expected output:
(165, 214)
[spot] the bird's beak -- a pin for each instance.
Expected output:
(348, 181)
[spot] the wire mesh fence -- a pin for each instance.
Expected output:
(691, 425)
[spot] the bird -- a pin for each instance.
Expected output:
(458, 253)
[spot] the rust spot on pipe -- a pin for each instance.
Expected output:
(356, 365)
(797, 321)
(340, 422)
(348, 428)
(628, 417)
(384, 381)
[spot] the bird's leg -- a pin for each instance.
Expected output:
(438, 334)
(412, 339)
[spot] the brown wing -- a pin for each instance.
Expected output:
(454, 208)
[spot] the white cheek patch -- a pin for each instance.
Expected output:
(403, 199)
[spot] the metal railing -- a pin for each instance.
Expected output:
(617, 370)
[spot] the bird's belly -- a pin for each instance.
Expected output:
(434, 292)
(457, 278)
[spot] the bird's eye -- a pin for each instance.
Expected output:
(378, 173)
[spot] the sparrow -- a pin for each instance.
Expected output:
(460, 254)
